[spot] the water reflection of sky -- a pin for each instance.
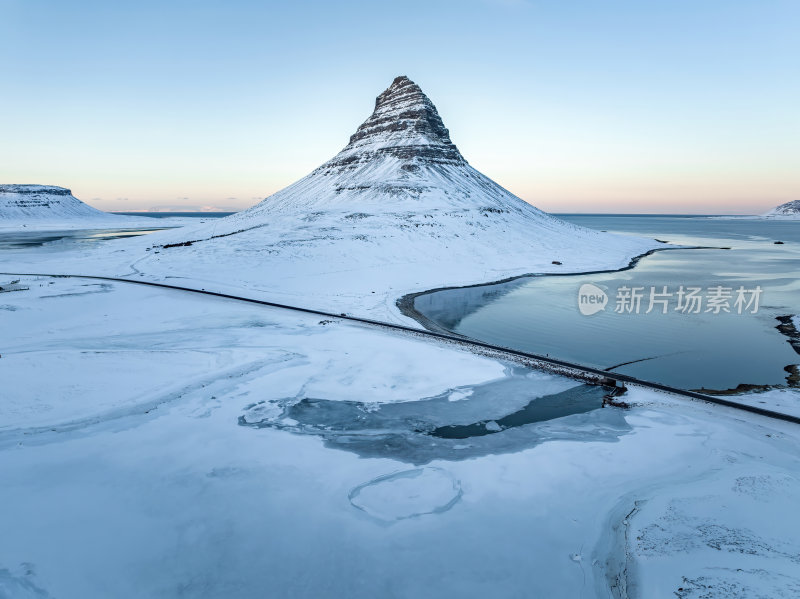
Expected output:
(714, 351)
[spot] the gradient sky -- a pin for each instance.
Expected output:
(635, 106)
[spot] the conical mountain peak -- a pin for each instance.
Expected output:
(406, 125)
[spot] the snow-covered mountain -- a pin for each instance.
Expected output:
(47, 206)
(401, 166)
(43, 202)
(398, 210)
(789, 209)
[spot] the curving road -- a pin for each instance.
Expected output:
(593, 375)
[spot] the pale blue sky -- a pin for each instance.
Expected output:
(639, 106)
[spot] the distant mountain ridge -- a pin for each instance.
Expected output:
(44, 202)
(788, 209)
(34, 189)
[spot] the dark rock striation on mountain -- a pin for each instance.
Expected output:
(34, 192)
(405, 125)
(788, 209)
(43, 202)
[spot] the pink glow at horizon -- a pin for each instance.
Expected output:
(679, 107)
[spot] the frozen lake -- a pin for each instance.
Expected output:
(688, 349)
(71, 238)
(65, 239)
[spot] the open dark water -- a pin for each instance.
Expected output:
(708, 350)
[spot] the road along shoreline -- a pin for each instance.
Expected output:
(570, 369)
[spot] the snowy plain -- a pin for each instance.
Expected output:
(131, 468)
